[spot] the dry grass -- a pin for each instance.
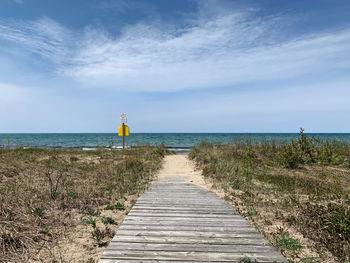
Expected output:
(64, 206)
(296, 194)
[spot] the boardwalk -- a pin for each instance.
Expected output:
(176, 221)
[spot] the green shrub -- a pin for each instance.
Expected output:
(117, 206)
(290, 156)
(89, 221)
(73, 194)
(90, 211)
(285, 241)
(39, 212)
(98, 235)
(325, 153)
(108, 220)
(251, 212)
(306, 147)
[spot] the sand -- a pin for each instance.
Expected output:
(180, 165)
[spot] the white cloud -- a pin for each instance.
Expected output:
(45, 37)
(220, 49)
(223, 51)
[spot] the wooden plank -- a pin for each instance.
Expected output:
(115, 246)
(192, 256)
(184, 223)
(179, 196)
(246, 228)
(257, 240)
(165, 261)
(181, 210)
(190, 207)
(183, 215)
(202, 234)
(184, 211)
(183, 205)
(187, 205)
(189, 219)
(187, 200)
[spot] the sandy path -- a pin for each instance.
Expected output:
(174, 165)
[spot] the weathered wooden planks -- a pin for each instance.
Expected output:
(176, 221)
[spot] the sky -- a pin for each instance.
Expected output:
(174, 66)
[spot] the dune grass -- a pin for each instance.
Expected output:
(46, 195)
(296, 193)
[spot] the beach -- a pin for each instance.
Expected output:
(201, 130)
(67, 204)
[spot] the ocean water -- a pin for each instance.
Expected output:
(171, 140)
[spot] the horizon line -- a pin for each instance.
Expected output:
(4, 133)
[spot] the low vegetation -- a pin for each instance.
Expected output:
(53, 199)
(296, 193)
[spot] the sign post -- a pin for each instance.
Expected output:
(123, 129)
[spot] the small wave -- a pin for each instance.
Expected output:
(119, 147)
(89, 149)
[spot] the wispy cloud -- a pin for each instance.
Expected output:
(44, 37)
(225, 48)
(224, 51)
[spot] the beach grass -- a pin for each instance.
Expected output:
(296, 193)
(51, 199)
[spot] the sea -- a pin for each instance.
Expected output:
(174, 141)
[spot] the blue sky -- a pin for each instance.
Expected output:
(175, 66)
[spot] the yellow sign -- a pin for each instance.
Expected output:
(120, 130)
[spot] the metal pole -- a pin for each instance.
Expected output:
(123, 135)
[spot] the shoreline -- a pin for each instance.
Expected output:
(173, 141)
(177, 150)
